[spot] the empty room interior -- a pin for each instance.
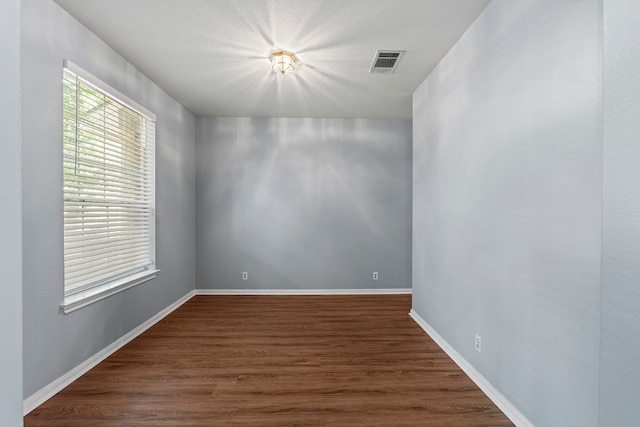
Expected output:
(323, 213)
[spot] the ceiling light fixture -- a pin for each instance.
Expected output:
(282, 62)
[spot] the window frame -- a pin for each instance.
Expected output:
(88, 294)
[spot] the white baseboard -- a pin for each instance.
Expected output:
(496, 397)
(383, 291)
(48, 391)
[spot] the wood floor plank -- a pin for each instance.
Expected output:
(276, 361)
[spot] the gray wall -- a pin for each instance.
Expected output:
(303, 203)
(10, 218)
(507, 203)
(620, 305)
(55, 343)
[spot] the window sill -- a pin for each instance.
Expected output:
(85, 298)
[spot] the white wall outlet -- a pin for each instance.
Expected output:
(478, 343)
(245, 275)
(375, 275)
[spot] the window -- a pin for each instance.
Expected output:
(109, 201)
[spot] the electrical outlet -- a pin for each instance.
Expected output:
(375, 275)
(245, 275)
(478, 343)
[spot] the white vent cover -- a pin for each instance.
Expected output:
(386, 61)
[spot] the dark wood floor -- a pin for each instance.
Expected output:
(276, 361)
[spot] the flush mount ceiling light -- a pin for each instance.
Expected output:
(282, 62)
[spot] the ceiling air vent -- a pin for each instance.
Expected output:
(386, 61)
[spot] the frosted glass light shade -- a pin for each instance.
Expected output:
(282, 62)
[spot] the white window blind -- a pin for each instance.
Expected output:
(109, 171)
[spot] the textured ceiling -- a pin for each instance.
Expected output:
(211, 55)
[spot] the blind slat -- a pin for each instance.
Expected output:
(98, 278)
(91, 221)
(96, 139)
(109, 193)
(90, 251)
(97, 205)
(110, 266)
(81, 264)
(96, 236)
(106, 154)
(105, 168)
